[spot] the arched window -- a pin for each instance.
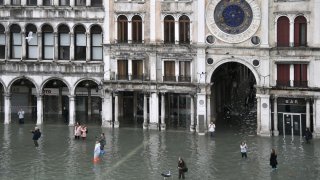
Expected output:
(16, 2)
(2, 42)
(64, 2)
(47, 42)
(283, 32)
(80, 2)
(80, 43)
(15, 41)
(136, 29)
(31, 2)
(184, 29)
(96, 42)
(300, 31)
(64, 42)
(31, 42)
(169, 29)
(96, 3)
(122, 29)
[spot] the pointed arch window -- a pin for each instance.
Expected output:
(283, 32)
(300, 31)
(15, 41)
(2, 42)
(80, 43)
(122, 29)
(169, 29)
(136, 29)
(32, 43)
(47, 42)
(64, 42)
(96, 42)
(184, 29)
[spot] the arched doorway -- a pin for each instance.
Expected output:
(233, 97)
(88, 102)
(55, 102)
(23, 97)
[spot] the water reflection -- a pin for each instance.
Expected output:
(140, 154)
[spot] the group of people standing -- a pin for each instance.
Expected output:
(80, 131)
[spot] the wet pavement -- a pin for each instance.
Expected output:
(133, 153)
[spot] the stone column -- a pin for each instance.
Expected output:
(71, 45)
(116, 110)
(275, 117)
(201, 21)
(177, 69)
(89, 102)
(129, 31)
(23, 2)
(39, 34)
(7, 108)
(265, 23)
(317, 114)
(316, 25)
(192, 113)
(107, 110)
(201, 114)
(72, 110)
(55, 49)
(153, 66)
(208, 110)
(39, 109)
(176, 31)
(145, 111)
(265, 114)
(24, 45)
(154, 111)
(258, 115)
(314, 116)
(163, 112)
(308, 113)
(153, 21)
(106, 23)
(7, 47)
(39, 3)
(72, 3)
(291, 75)
(88, 3)
(291, 32)
(88, 54)
(130, 69)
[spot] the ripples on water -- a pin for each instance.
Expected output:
(133, 153)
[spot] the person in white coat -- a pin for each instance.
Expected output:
(212, 128)
(97, 151)
(243, 149)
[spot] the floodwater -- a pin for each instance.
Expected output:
(134, 153)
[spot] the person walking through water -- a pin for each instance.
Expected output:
(243, 149)
(273, 159)
(102, 141)
(182, 168)
(36, 135)
(212, 128)
(308, 135)
(96, 152)
(77, 131)
(21, 116)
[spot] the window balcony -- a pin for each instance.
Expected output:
(169, 78)
(283, 83)
(184, 78)
(122, 77)
(137, 77)
(300, 83)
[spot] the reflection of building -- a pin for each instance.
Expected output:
(164, 64)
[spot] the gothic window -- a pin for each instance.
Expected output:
(184, 71)
(122, 70)
(283, 74)
(80, 2)
(300, 31)
(2, 42)
(47, 2)
(64, 2)
(283, 32)
(47, 42)
(184, 29)
(15, 41)
(137, 69)
(31, 2)
(64, 42)
(96, 43)
(96, 3)
(15, 2)
(31, 43)
(136, 29)
(169, 71)
(169, 29)
(300, 75)
(122, 29)
(80, 43)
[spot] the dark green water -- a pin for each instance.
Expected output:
(133, 153)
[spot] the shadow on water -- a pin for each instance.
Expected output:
(134, 153)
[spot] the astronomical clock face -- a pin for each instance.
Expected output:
(233, 21)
